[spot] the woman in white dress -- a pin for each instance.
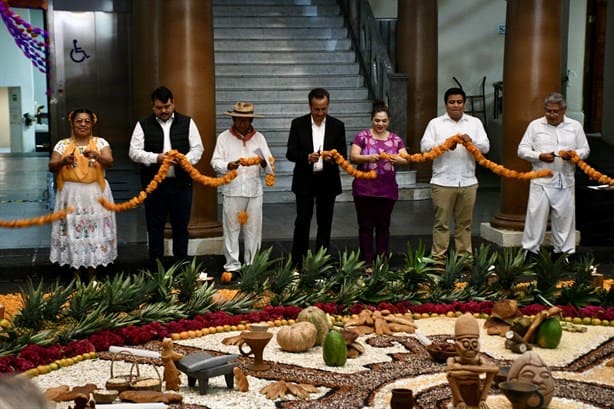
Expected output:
(86, 238)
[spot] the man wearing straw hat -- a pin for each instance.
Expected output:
(241, 198)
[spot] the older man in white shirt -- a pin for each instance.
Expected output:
(244, 193)
(453, 182)
(542, 144)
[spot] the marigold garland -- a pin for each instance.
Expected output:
(36, 221)
(175, 157)
(591, 172)
(479, 158)
(501, 170)
(269, 178)
(346, 166)
(435, 152)
(172, 157)
(242, 217)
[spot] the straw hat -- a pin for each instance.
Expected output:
(243, 110)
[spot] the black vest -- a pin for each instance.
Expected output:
(154, 142)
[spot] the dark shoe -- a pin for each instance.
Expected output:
(530, 257)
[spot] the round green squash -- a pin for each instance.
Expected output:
(318, 318)
(549, 333)
(334, 350)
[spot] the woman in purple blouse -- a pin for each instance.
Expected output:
(374, 198)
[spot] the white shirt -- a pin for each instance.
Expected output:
(317, 133)
(455, 168)
(541, 137)
(229, 148)
(138, 153)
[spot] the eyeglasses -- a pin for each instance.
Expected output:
(83, 121)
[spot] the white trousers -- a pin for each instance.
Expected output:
(561, 204)
(252, 230)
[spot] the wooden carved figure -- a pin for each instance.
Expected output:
(171, 373)
(530, 368)
(463, 371)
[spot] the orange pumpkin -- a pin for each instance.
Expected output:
(226, 276)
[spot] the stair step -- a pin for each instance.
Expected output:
(217, 3)
(293, 108)
(291, 95)
(264, 33)
(283, 122)
(279, 137)
(284, 57)
(283, 45)
(304, 83)
(287, 69)
(280, 22)
(270, 10)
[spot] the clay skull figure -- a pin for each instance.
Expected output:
(530, 368)
(463, 371)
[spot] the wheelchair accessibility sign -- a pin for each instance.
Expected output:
(77, 54)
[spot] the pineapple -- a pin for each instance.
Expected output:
(315, 266)
(30, 317)
(548, 273)
(161, 283)
(55, 301)
(187, 280)
(122, 293)
(347, 283)
(383, 284)
(418, 269)
(200, 300)
(253, 277)
(163, 311)
(84, 299)
(283, 285)
(511, 268)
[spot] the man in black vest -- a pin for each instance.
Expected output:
(152, 138)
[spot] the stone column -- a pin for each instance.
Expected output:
(417, 56)
(531, 70)
(174, 47)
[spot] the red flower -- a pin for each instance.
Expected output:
(79, 347)
(103, 340)
(7, 364)
(35, 354)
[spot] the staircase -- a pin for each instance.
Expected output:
(272, 53)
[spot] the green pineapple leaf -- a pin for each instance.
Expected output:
(200, 299)
(187, 280)
(32, 313)
(253, 277)
(315, 267)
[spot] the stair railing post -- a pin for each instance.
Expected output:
(375, 62)
(397, 101)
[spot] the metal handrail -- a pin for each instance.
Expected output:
(383, 82)
(372, 52)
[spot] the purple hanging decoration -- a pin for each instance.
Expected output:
(27, 37)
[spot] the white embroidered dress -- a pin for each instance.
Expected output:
(87, 236)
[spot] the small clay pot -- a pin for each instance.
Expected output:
(402, 398)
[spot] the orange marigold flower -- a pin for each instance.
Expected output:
(242, 217)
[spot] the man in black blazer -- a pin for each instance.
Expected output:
(316, 177)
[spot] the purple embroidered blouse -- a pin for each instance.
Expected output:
(385, 185)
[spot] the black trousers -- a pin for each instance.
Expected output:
(325, 204)
(170, 201)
